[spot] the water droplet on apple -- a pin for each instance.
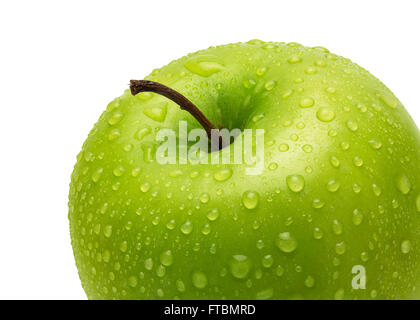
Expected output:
(213, 214)
(375, 144)
(307, 102)
(389, 100)
(325, 114)
(240, 266)
(318, 234)
(166, 258)
(309, 282)
(114, 134)
(148, 264)
(403, 183)
(318, 203)
(204, 65)
(265, 294)
(180, 286)
(333, 185)
(250, 199)
(118, 171)
(187, 227)
(108, 231)
(307, 148)
(97, 175)
(286, 242)
(145, 187)
(267, 261)
(405, 246)
(295, 182)
(294, 59)
(141, 133)
(204, 197)
(340, 248)
(115, 118)
(357, 161)
(284, 147)
(357, 217)
(352, 125)
(337, 227)
(261, 71)
(223, 175)
(334, 161)
(132, 281)
(157, 113)
(339, 294)
(199, 279)
(270, 85)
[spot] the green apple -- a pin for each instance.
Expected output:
(339, 191)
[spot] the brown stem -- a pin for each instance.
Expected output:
(137, 86)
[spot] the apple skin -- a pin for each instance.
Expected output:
(340, 186)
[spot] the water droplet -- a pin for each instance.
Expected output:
(187, 227)
(376, 190)
(132, 281)
(108, 231)
(318, 203)
(295, 182)
(344, 145)
(357, 161)
(180, 286)
(333, 185)
(240, 266)
(223, 175)
(204, 197)
(375, 144)
(337, 227)
(270, 85)
(318, 234)
(389, 100)
(213, 214)
(284, 147)
(114, 134)
(340, 248)
(265, 294)
(294, 59)
(97, 175)
(403, 184)
(118, 171)
(325, 114)
(250, 199)
(267, 261)
(199, 280)
(157, 113)
(357, 217)
(307, 102)
(405, 246)
(352, 125)
(145, 187)
(339, 294)
(307, 148)
(141, 133)
(261, 71)
(148, 264)
(115, 118)
(286, 242)
(309, 282)
(166, 258)
(334, 161)
(204, 65)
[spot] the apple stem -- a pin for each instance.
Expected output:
(137, 86)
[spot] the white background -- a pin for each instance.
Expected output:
(61, 62)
